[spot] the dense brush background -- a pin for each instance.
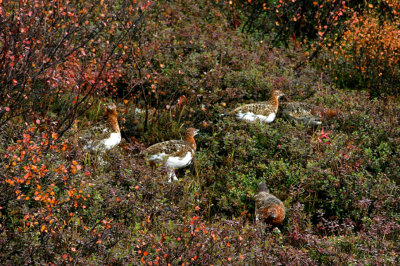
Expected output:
(170, 65)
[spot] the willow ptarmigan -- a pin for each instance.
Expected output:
(261, 111)
(173, 154)
(108, 134)
(269, 209)
(299, 112)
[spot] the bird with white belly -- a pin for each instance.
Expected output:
(264, 112)
(104, 136)
(173, 154)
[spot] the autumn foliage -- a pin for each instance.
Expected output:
(171, 65)
(367, 53)
(294, 21)
(62, 54)
(357, 40)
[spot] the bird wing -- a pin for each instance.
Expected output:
(264, 201)
(260, 199)
(300, 112)
(261, 108)
(170, 148)
(92, 137)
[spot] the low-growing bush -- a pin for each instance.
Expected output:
(62, 204)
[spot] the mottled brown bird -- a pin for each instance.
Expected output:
(106, 135)
(269, 209)
(261, 111)
(173, 154)
(299, 112)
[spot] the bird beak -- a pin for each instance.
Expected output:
(196, 131)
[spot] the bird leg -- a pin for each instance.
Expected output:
(171, 175)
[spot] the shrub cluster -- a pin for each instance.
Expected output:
(56, 56)
(358, 39)
(366, 57)
(184, 66)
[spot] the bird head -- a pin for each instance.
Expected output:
(192, 131)
(277, 94)
(110, 106)
(262, 187)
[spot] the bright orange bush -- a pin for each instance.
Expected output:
(36, 177)
(367, 55)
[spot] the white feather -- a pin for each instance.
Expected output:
(179, 162)
(158, 157)
(112, 141)
(174, 162)
(171, 175)
(251, 117)
(315, 122)
(171, 162)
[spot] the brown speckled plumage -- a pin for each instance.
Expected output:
(175, 147)
(173, 154)
(96, 136)
(171, 148)
(265, 108)
(299, 112)
(269, 209)
(112, 117)
(261, 108)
